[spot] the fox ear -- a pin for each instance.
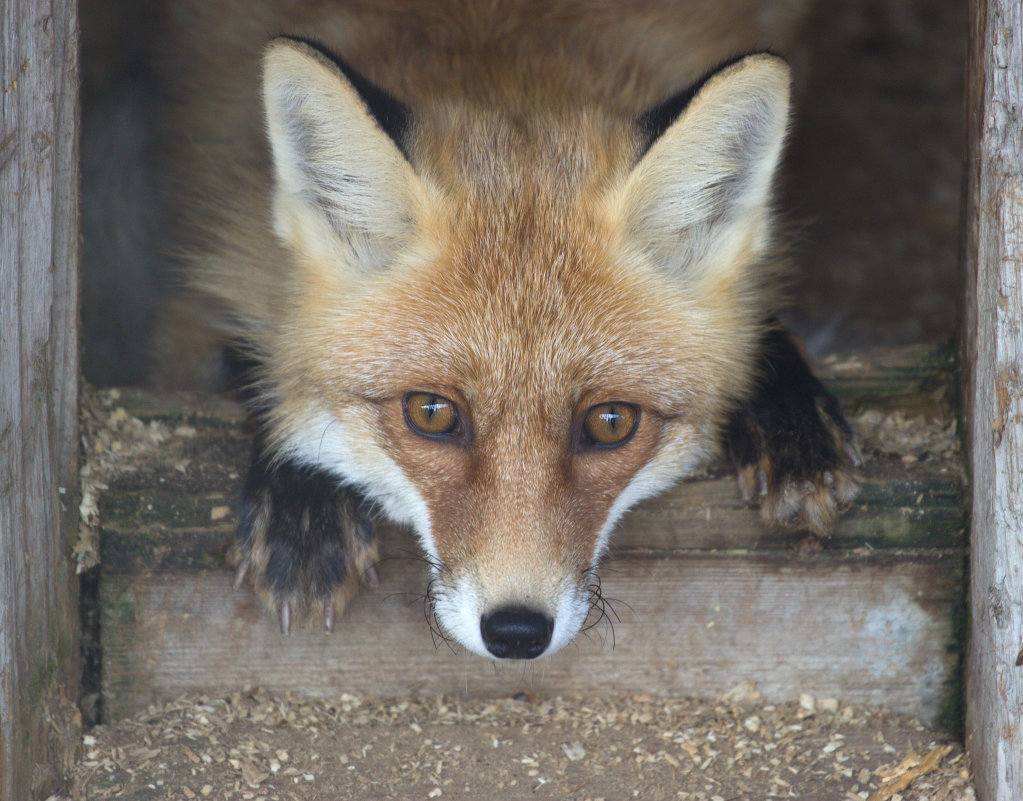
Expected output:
(335, 140)
(698, 200)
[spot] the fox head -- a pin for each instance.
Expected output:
(507, 322)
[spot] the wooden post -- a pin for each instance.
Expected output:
(38, 393)
(993, 380)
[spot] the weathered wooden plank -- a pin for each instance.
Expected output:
(864, 629)
(913, 379)
(708, 597)
(993, 391)
(38, 393)
(900, 507)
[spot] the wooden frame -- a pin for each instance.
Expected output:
(993, 392)
(38, 394)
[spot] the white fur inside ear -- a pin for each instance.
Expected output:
(337, 173)
(701, 193)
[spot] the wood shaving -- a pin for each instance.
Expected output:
(914, 438)
(111, 439)
(908, 771)
(115, 443)
(256, 746)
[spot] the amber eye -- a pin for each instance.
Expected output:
(608, 425)
(430, 415)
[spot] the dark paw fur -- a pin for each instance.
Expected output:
(792, 447)
(305, 543)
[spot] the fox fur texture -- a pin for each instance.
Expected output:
(500, 270)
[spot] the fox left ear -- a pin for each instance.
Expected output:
(699, 198)
(343, 182)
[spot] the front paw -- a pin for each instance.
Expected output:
(305, 542)
(793, 450)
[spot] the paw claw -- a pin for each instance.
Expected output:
(791, 444)
(852, 454)
(305, 541)
(241, 572)
(760, 476)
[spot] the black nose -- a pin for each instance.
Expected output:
(515, 632)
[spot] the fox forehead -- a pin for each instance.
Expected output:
(522, 294)
(560, 322)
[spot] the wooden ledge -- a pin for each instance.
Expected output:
(706, 596)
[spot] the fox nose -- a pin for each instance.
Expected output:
(516, 632)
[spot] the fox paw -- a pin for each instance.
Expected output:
(793, 450)
(805, 479)
(304, 542)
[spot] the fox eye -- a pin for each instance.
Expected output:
(610, 425)
(430, 415)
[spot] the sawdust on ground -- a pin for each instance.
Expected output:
(254, 746)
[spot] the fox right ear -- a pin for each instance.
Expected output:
(699, 198)
(335, 140)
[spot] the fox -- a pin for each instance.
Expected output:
(496, 271)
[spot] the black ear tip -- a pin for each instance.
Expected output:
(653, 122)
(393, 116)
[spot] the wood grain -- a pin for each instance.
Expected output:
(861, 629)
(707, 597)
(993, 391)
(38, 393)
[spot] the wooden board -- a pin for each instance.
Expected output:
(863, 629)
(707, 597)
(168, 523)
(38, 394)
(993, 392)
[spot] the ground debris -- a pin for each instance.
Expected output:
(120, 447)
(254, 744)
(908, 771)
(112, 440)
(913, 437)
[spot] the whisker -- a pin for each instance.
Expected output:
(612, 601)
(416, 556)
(436, 632)
(604, 611)
(427, 598)
(323, 435)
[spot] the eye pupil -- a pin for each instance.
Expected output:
(611, 419)
(430, 415)
(610, 424)
(432, 408)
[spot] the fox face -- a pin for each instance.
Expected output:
(505, 329)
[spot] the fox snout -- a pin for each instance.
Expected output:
(525, 624)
